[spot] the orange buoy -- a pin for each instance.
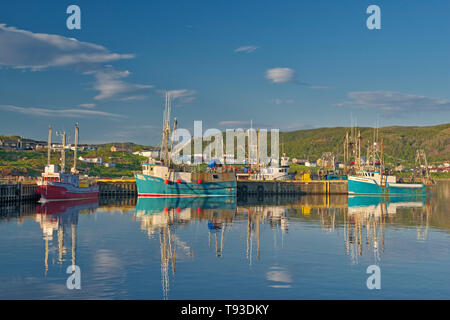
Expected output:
(166, 210)
(199, 210)
(178, 210)
(199, 181)
(166, 181)
(178, 180)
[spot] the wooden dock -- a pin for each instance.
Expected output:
(250, 187)
(127, 188)
(117, 188)
(18, 192)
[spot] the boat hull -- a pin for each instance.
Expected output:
(149, 186)
(61, 192)
(357, 185)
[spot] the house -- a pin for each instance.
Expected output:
(299, 161)
(148, 153)
(120, 149)
(41, 145)
(86, 147)
(27, 144)
(9, 144)
(94, 160)
(311, 164)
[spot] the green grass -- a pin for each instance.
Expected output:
(32, 163)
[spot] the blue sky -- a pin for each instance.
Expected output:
(282, 64)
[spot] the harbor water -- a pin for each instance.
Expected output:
(255, 247)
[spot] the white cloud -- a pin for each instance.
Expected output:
(69, 113)
(133, 98)
(175, 94)
(283, 75)
(394, 103)
(110, 85)
(246, 49)
(183, 95)
(87, 105)
(282, 101)
(36, 51)
(280, 75)
(234, 123)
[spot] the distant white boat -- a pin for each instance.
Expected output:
(274, 172)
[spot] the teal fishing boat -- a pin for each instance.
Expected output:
(160, 178)
(373, 178)
(157, 180)
(375, 183)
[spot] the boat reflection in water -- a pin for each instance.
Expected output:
(163, 215)
(366, 220)
(227, 247)
(58, 217)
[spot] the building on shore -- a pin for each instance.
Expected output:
(120, 149)
(93, 160)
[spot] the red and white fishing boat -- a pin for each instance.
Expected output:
(56, 185)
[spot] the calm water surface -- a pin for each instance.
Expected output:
(254, 248)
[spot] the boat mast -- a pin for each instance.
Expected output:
(166, 130)
(49, 146)
(358, 151)
(74, 169)
(63, 150)
(257, 149)
(171, 143)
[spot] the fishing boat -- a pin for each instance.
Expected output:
(374, 179)
(376, 183)
(278, 171)
(161, 178)
(57, 185)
